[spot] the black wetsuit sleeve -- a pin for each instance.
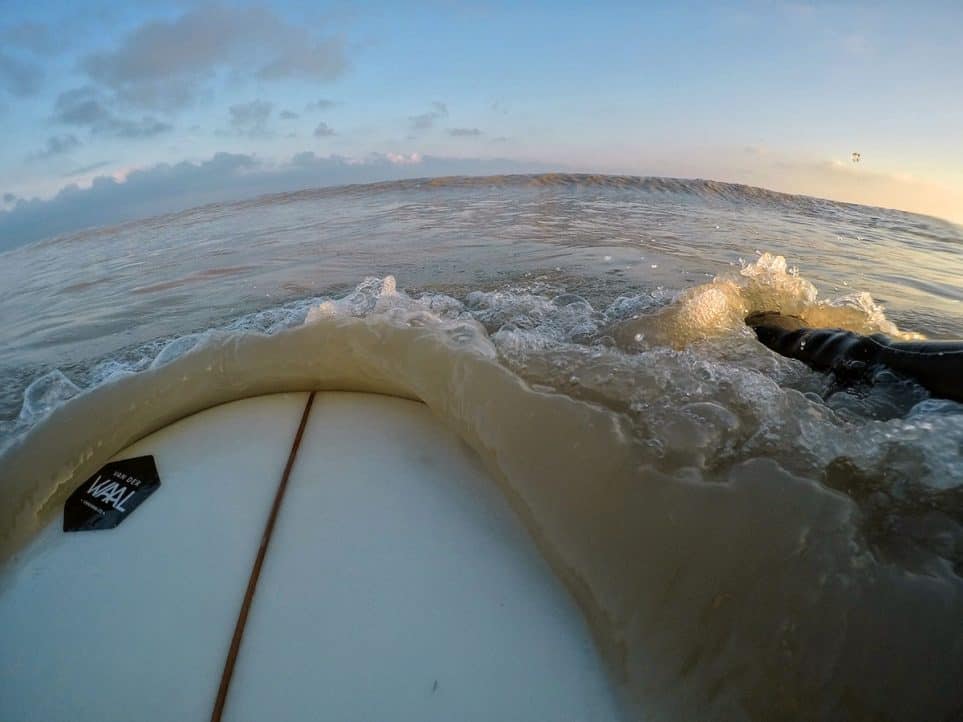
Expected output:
(935, 365)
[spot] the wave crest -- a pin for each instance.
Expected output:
(767, 284)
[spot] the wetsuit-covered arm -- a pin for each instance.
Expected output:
(935, 365)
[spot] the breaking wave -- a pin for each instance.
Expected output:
(694, 187)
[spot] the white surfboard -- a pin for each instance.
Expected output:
(397, 584)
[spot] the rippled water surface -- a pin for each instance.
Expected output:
(749, 539)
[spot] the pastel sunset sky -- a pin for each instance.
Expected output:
(192, 102)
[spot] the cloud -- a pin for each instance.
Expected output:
(164, 188)
(251, 118)
(19, 77)
(30, 36)
(86, 107)
(80, 106)
(146, 127)
(321, 60)
(56, 145)
(464, 132)
(320, 104)
(289, 115)
(9, 198)
(323, 130)
(426, 121)
(86, 169)
(163, 64)
(403, 159)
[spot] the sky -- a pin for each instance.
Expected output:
(117, 110)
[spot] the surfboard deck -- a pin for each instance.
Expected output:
(397, 584)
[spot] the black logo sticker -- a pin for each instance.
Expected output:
(111, 495)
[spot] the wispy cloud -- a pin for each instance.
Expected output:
(320, 104)
(163, 64)
(464, 132)
(289, 115)
(323, 130)
(426, 121)
(84, 169)
(33, 37)
(19, 77)
(404, 158)
(85, 107)
(56, 145)
(251, 118)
